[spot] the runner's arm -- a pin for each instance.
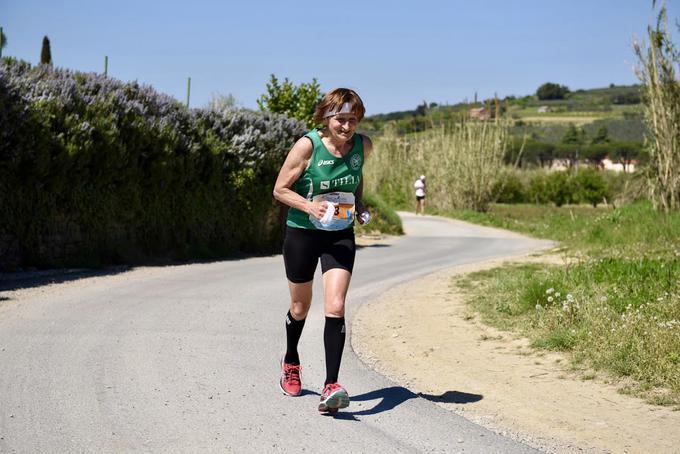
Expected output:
(295, 164)
(360, 207)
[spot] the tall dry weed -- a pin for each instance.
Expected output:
(657, 69)
(462, 163)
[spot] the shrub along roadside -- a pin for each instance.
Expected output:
(616, 309)
(585, 185)
(96, 171)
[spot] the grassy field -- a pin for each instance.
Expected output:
(610, 112)
(615, 307)
(577, 120)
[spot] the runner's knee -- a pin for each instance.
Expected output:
(335, 307)
(299, 309)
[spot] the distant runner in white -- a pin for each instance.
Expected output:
(421, 188)
(322, 183)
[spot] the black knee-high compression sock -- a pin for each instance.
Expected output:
(293, 333)
(334, 342)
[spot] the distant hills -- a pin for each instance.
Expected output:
(617, 107)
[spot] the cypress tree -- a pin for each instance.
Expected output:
(3, 39)
(46, 53)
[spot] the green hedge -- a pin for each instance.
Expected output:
(96, 171)
(587, 185)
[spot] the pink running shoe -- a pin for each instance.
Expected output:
(333, 397)
(290, 382)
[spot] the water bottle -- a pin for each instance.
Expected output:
(365, 217)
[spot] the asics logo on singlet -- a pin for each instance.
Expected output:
(325, 162)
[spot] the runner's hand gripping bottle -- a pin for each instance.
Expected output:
(365, 217)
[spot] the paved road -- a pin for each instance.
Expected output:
(185, 359)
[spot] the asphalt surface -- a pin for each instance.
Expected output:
(186, 359)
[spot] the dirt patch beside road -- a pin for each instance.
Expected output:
(422, 335)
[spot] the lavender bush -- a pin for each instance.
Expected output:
(94, 171)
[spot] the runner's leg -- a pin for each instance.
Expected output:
(337, 262)
(300, 302)
(336, 283)
(300, 256)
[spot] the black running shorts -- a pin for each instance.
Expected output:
(302, 249)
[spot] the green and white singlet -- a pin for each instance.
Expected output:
(330, 178)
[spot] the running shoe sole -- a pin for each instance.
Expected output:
(336, 400)
(281, 380)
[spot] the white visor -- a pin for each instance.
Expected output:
(346, 108)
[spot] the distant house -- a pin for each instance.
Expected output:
(480, 113)
(560, 165)
(608, 164)
(544, 109)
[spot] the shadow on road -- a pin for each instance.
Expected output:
(453, 397)
(30, 279)
(37, 278)
(361, 246)
(396, 395)
(308, 392)
(390, 398)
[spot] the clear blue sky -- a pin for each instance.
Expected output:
(395, 54)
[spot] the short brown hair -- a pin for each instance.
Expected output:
(334, 100)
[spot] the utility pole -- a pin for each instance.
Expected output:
(188, 90)
(106, 65)
(1, 42)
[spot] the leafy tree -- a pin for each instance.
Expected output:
(592, 188)
(560, 187)
(573, 135)
(421, 110)
(573, 141)
(510, 189)
(46, 52)
(601, 136)
(296, 102)
(625, 152)
(541, 152)
(597, 152)
(538, 189)
(550, 90)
